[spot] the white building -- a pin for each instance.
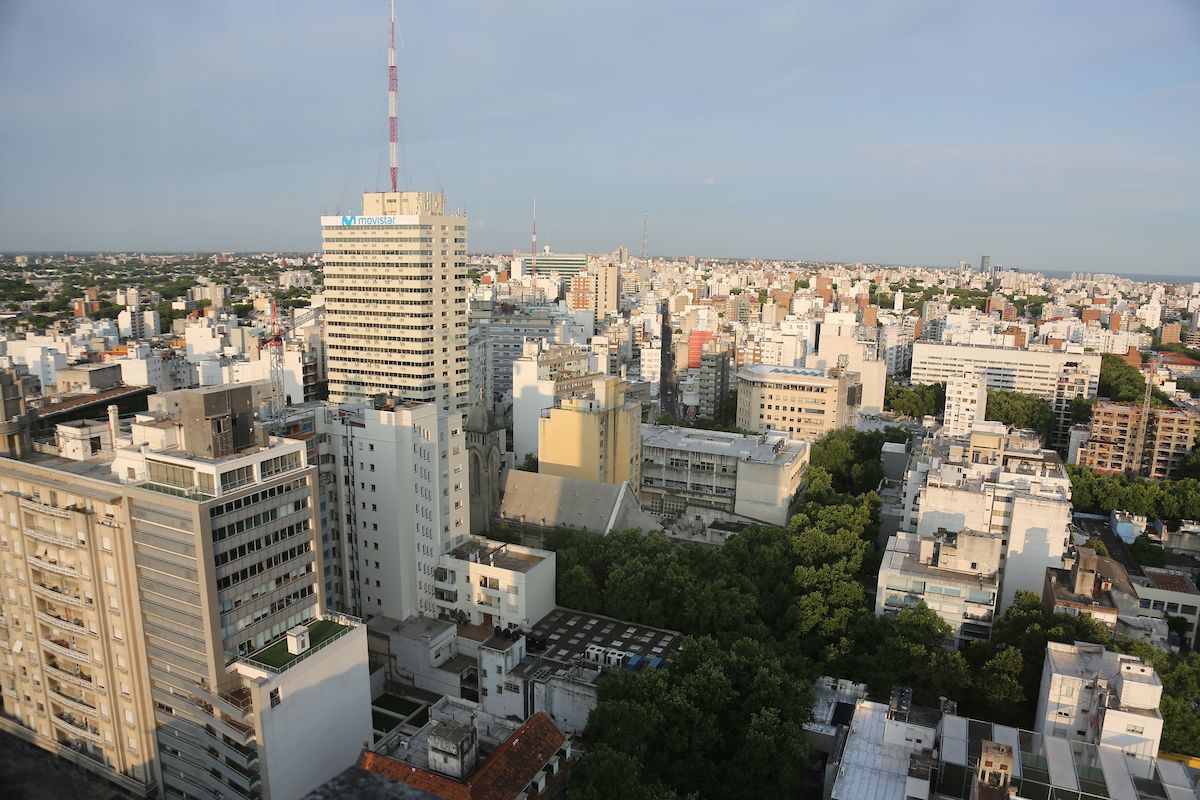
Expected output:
(401, 469)
(1093, 695)
(542, 373)
(396, 301)
(994, 481)
(966, 403)
(839, 337)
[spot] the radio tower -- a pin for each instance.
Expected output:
(533, 243)
(645, 222)
(392, 162)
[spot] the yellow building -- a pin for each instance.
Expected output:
(803, 403)
(596, 438)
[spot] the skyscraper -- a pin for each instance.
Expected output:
(396, 301)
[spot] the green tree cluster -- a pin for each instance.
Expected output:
(1096, 493)
(1123, 382)
(918, 400)
(1021, 411)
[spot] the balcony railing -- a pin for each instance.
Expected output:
(82, 728)
(51, 537)
(60, 594)
(77, 677)
(52, 566)
(76, 703)
(65, 650)
(59, 622)
(43, 508)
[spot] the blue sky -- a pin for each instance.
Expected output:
(1056, 135)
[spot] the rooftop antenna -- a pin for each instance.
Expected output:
(392, 162)
(533, 242)
(645, 222)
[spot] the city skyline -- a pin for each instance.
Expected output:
(1055, 138)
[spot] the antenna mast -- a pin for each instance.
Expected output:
(392, 162)
(533, 242)
(645, 223)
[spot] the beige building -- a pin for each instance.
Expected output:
(1111, 445)
(805, 403)
(596, 438)
(166, 621)
(396, 301)
(966, 403)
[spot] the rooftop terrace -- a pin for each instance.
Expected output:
(277, 658)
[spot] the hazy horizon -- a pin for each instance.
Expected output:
(1054, 137)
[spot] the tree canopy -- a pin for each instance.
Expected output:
(1021, 411)
(918, 400)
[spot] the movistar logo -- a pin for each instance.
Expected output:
(356, 219)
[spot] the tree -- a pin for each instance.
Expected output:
(1097, 545)
(1021, 411)
(918, 400)
(1147, 553)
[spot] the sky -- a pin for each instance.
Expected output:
(1058, 136)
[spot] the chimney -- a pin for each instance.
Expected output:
(113, 425)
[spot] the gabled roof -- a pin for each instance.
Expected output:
(503, 776)
(548, 501)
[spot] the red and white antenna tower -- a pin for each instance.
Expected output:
(392, 161)
(533, 243)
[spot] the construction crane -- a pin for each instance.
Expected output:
(273, 344)
(1139, 442)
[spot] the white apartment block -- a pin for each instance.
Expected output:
(544, 372)
(1053, 375)
(401, 473)
(955, 573)
(396, 301)
(995, 482)
(490, 583)
(841, 342)
(1090, 694)
(896, 337)
(752, 478)
(966, 403)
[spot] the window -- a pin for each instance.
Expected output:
(275, 698)
(1135, 729)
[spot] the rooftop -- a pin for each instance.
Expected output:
(496, 554)
(567, 634)
(766, 449)
(276, 657)
(1170, 581)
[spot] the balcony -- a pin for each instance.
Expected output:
(75, 676)
(60, 594)
(43, 508)
(64, 649)
(488, 602)
(76, 703)
(82, 728)
(445, 595)
(52, 566)
(50, 537)
(59, 622)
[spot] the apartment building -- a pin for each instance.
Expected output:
(192, 540)
(490, 583)
(955, 573)
(1169, 592)
(545, 373)
(966, 403)
(593, 438)
(804, 403)
(713, 385)
(400, 471)
(1055, 376)
(395, 284)
(1111, 446)
(842, 342)
(753, 478)
(993, 481)
(1090, 694)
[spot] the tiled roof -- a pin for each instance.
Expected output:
(503, 776)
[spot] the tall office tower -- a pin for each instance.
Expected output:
(401, 470)
(396, 301)
(175, 628)
(966, 403)
(985, 265)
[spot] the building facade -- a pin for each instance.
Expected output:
(395, 284)
(1168, 435)
(804, 403)
(594, 438)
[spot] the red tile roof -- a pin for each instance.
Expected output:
(503, 776)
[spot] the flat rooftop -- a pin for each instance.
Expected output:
(743, 447)
(276, 656)
(568, 634)
(496, 554)
(1170, 581)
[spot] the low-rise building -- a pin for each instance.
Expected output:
(742, 476)
(1170, 593)
(490, 583)
(1090, 694)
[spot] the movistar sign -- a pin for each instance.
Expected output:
(357, 219)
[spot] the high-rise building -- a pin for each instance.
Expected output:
(174, 626)
(401, 471)
(966, 403)
(396, 301)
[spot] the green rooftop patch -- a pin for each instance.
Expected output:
(276, 656)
